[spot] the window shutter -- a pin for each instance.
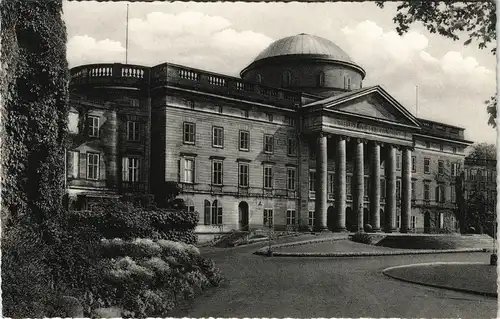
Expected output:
(125, 176)
(195, 170)
(207, 212)
(182, 168)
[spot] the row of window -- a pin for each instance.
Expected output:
(189, 137)
(133, 128)
(130, 167)
(188, 168)
(480, 175)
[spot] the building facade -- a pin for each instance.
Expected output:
(297, 143)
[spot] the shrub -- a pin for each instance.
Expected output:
(26, 283)
(368, 228)
(362, 238)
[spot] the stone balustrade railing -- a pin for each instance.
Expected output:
(110, 73)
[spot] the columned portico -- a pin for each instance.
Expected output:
(390, 197)
(340, 183)
(359, 182)
(321, 184)
(375, 186)
(406, 191)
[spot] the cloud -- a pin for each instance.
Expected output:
(85, 50)
(452, 87)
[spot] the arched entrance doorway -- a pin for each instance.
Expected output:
(427, 222)
(243, 216)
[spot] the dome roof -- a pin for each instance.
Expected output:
(305, 44)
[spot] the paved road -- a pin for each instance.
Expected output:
(258, 286)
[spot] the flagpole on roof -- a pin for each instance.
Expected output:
(416, 100)
(126, 40)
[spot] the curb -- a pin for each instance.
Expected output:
(489, 294)
(366, 254)
(264, 250)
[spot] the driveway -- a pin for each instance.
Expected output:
(258, 286)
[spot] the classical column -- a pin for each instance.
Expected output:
(359, 182)
(406, 189)
(340, 183)
(375, 186)
(390, 193)
(321, 183)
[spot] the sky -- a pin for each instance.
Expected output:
(453, 80)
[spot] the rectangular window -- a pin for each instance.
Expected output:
(189, 133)
(290, 217)
(268, 177)
(290, 181)
(310, 219)
(472, 174)
(130, 169)
(217, 172)
(426, 191)
(442, 194)
(398, 189)
(73, 122)
(292, 147)
(243, 175)
(427, 164)
(93, 166)
(133, 131)
(413, 190)
(218, 109)
(441, 147)
(269, 117)
(454, 169)
(413, 222)
(454, 150)
(453, 195)
(188, 170)
(398, 162)
(348, 187)
(427, 145)
(440, 167)
(382, 188)
(244, 140)
(331, 183)
(268, 144)
(290, 121)
(413, 164)
(73, 164)
(312, 181)
(268, 217)
(366, 186)
(398, 221)
(93, 125)
(218, 136)
(134, 102)
(216, 213)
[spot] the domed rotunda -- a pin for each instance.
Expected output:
(305, 63)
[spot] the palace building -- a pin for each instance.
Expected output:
(297, 142)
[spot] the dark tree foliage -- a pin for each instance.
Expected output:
(34, 93)
(452, 19)
(483, 151)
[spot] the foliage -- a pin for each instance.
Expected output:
(152, 282)
(483, 151)
(166, 196)
(26, 281)
(362, 238)
(35, 108)
(34, 92)
(450, 19)
(118, 219)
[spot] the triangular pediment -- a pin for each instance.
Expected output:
(373, 102)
